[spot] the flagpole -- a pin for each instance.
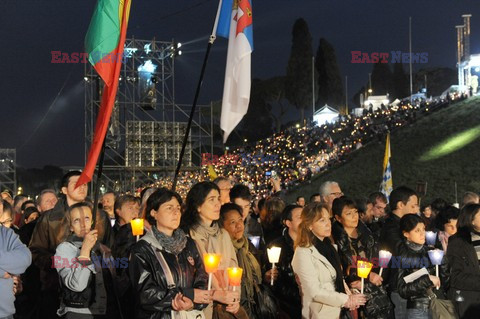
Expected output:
(194, 105)
(97, 184)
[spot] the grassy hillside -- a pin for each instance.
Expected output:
(441, 149)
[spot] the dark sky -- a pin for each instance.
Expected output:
(45, 133)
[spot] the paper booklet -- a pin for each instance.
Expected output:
(414, 276)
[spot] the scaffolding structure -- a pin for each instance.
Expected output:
(8, 171)
(147, 127)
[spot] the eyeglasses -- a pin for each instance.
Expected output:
(337, 194)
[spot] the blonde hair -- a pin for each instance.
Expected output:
(310, 214)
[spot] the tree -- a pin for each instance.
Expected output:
(381, 79)
(273, 93)
(400, 82)
(329, 78)
(298, 90)
(257, 123)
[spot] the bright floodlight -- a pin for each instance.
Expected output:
(148, 66)
(179, 45)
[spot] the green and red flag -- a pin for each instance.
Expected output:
(104, 44)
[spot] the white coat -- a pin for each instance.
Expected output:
(317, 279)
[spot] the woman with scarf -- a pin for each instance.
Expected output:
(165, 269)
(317, 265)
(200, 220)
(231, 220)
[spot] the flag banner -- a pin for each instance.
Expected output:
(104, 44)
(387, 183)
(236, 17)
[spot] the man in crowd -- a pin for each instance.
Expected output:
(45, 239)
(14, 260)
(315, 198)
(285, 286)
(108, 201)
(470, 198)
(329, 191)
(403, 201)
(375, 213)
(240, 195)
(46, 200)
(225, 186)
(300, 201)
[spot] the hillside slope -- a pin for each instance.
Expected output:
(441, 149)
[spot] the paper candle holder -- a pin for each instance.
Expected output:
(137, 226)
(431, 237)
(384, 258)
(234, 276)
(274, 254)
(363, 268)
(436, 256)
(211, 262)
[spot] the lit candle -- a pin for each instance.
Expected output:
(211, 262)
(384, 257)
(436, 257)
(431, 237)
(273, 256)
(137, 227)
(363, 270)
(234, 276)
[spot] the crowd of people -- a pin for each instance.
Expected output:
(60, 257)
(300, 152)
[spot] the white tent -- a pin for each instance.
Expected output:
(325, 115)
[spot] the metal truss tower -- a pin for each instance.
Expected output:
(147, 126)
(8, 170)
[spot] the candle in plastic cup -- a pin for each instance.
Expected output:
(137, 226)
(234, 276)
(211, 262)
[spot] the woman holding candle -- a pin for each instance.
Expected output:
(200, 220)
(463, 248)
(162, 253)
(231, 220)
(317, 265)
(413, 257)
(355, 242)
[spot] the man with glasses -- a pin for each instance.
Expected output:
(329, 191)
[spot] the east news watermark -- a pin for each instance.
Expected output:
(82, 57)
(389, 57)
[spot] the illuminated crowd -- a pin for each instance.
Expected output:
(235, 248)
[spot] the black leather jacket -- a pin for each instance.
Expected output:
(390, 240)
(465, 280)
(417, 292)
(346, 251)
(285, 287)
(153, 296)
